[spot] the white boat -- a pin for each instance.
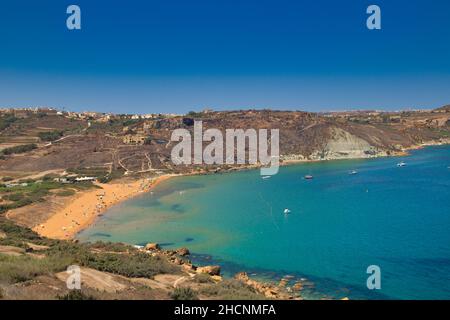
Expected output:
(353, 172)
(266, 177)
(287, 211)
(401, 164)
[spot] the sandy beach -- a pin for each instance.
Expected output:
(88, 205)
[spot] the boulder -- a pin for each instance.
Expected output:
(177, 261)
(211, 270)
(188, 267)
(298, 286)
(217, 278)
(152, 246)
(271, 293)
(283, 283)
(242, 276)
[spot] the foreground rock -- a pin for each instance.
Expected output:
(183, 252)
(152, 247)
(268, 290)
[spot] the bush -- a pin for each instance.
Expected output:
(17, 204)
(231, 290)
(104, 179)
(19, 149)
(113, 247)
(14, 269)
(184, 294)
(50, 177)
(139, 265)
(5, 122)
(75, 295)
(50, 136)
(14, 197)
(14, 231)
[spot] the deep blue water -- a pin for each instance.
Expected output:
(395, 217)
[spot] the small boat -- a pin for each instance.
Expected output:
(353, 172)
(401, 164)
(309, 177)
(265, 177)
(287, 211)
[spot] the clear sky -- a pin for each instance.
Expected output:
(175, 56)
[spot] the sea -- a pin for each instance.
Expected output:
(326, 232)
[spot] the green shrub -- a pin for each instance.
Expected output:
(130, 265)
(20, 203)
(14, 231)
(14, 197)
(104, 179)
(50, 177)
(231, 290)
(14, 269)
(19, 149)
(184, 293)
(113, 247)
(50, 136)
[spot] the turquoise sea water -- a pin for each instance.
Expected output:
(395, 217)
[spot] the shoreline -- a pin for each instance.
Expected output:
(85, 207)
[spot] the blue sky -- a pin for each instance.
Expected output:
(176, 56)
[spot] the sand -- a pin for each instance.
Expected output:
(86, 206)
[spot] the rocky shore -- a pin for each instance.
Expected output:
(180, 257)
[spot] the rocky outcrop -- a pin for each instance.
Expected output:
(211, 270)
(268, 290)
(344, 145)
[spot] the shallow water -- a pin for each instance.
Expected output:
(396, 218)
